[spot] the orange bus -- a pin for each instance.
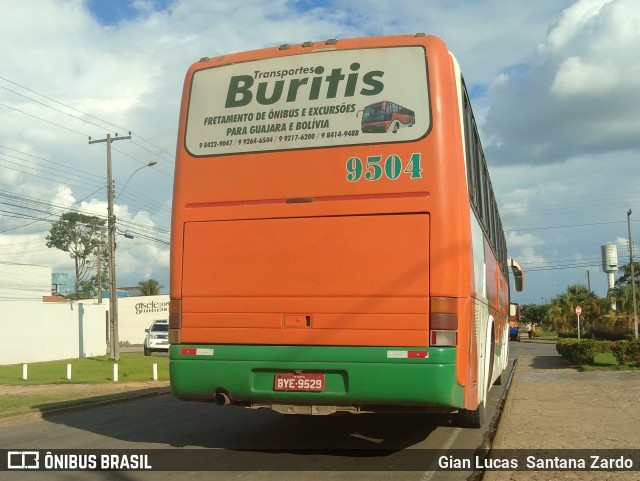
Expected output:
(315, 269)
(386, 116)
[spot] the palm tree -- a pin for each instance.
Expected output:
(561, 310)
(622, 292)
(150, 287)
(563, 307)
(623, 315)
(625, 274)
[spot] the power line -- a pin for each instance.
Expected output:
(105, 122)
(564, 226)
(45, 120)
(87, 175)
(53, 108)
(50, 173)
(58, 102)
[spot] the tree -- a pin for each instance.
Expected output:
(563, 307)
(79, 235)
(150, 287)
(89, 287)
(535, 313)
(625, 277)
(622, 296)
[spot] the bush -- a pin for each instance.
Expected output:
(573, 334)
(626, 352)
(609, 336)
(581, 351)
(568, 334)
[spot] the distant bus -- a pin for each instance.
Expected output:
(386, 116)
(317, 270)
(514, 322)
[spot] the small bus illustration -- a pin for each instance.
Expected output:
(386, 116)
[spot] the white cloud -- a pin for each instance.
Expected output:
(554, 87)
(529, 257)
(580, 94)
(577, 77)
(575, 19)
(525, 241)
(63, 196)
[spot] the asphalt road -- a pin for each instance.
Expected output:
(253, 444)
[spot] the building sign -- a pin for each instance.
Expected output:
(152, 306)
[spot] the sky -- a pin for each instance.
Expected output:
(553, 85)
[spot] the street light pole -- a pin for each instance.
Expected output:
(150, 164)
(111, 227)
(633, 278)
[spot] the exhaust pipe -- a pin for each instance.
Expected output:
(221, 398)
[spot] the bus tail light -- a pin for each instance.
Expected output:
(175, 321)
(443, 322)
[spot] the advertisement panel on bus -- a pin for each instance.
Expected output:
(309, 101)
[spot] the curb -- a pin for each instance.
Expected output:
(538, 340)
(506, 409)
(87, 403)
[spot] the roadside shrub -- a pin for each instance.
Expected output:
(568, 334)
(626, 352)
(584, 334)
(610, 336)
(634, 351)
(581, 351)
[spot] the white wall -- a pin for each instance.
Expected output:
(34, 331)
(135, 314)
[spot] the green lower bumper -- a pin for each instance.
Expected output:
(353, 375)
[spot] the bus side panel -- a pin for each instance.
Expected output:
(340, 280)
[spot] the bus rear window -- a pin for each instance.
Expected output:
(320, 99)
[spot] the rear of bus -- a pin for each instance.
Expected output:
(316, 268)
(514, 322)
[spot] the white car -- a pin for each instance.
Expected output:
(157, 339)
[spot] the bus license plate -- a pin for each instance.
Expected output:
(304, 381)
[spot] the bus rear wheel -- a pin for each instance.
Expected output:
(468, 418)
(475, 418)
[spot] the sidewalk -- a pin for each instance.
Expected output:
(551, 405)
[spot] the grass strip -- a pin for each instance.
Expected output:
(131, 367)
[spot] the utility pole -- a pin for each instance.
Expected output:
(111, 227)
(633, 278)
(99, 265)
(99, 278)
(588, 281)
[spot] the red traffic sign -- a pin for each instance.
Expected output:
(578, 310)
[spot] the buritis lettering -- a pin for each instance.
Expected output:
(243, 88)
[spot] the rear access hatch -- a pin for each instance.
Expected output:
(336, 280)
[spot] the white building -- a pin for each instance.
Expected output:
(135, 314)
(39, 327)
